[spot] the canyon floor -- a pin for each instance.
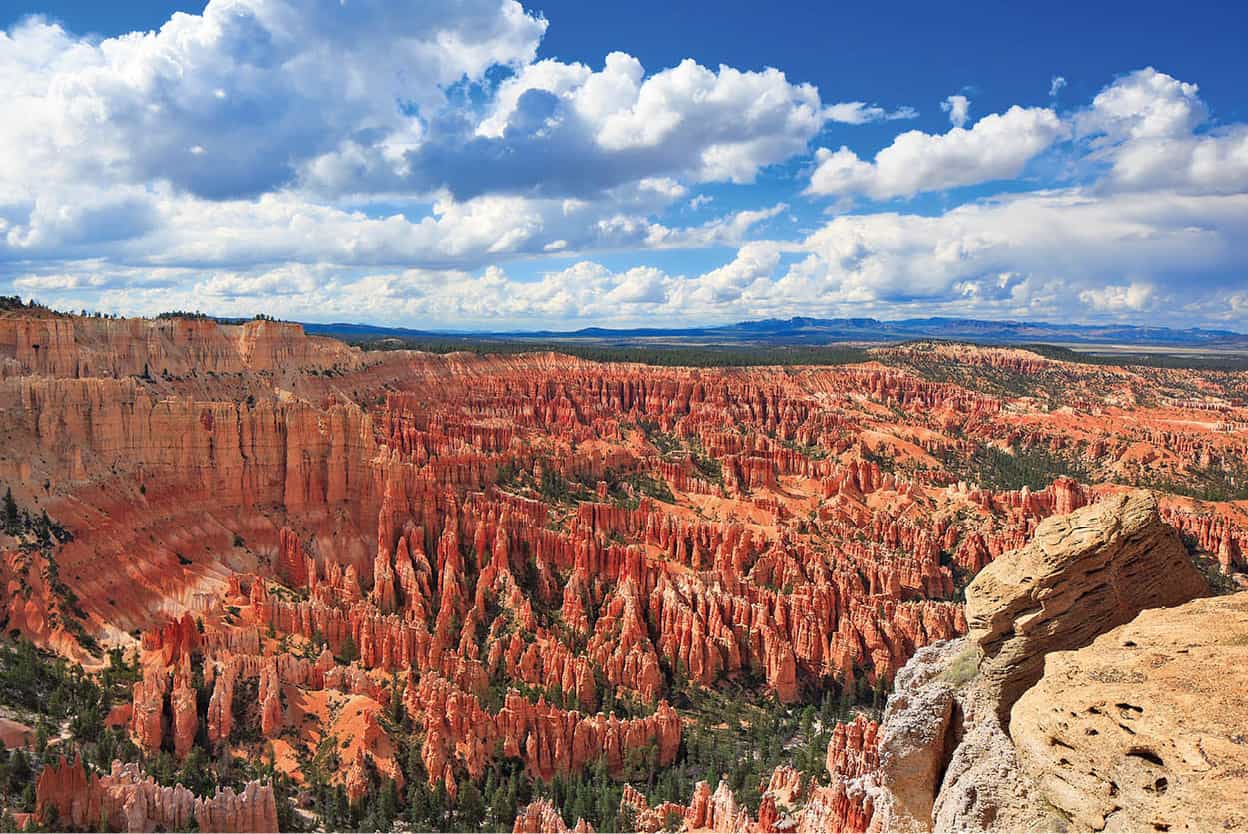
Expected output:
(260, 580)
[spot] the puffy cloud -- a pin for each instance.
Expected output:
(995, 148)
(58, 282)
(1134, 297)
(160, 227)
(1144, 130)
(640, 285)
(233, 101)
(958, 108)
(1145, 125)
(270, 130)
(1213, 163)
(1145, 104)
(562, 130)
(734, 284)
(729, 229)
(1056, 85)
(1031, 254)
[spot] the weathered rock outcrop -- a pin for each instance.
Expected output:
(126, 800)
(221, 704)
(1144, 729)
(1080, 575)
(540, 817)
(946, 762)
(147, 716)
(982, 787)
(916, 740)
(185, 715)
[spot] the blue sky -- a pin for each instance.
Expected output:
(483, 164)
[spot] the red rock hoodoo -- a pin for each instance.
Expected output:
(528, 558)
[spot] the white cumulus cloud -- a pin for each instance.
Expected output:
(995, 148)
(1147, 125)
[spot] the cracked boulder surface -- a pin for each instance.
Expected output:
(1146, 729)
(1080, 575)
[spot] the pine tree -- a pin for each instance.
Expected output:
(396, 698)
(388, 804)
(418, 804)
(40, 738)
(51, 816)
(342, 811)
(440, 806)
(502, 806)
(10, 513)
(471, 807)
(626, 820)
(19, 770)
(347, 652)
(43, 529)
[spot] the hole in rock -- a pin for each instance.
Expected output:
(1147, 755)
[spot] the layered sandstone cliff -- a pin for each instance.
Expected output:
(80, 347)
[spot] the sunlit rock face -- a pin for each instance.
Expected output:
(531, 557)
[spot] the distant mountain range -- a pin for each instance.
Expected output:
(813, 331)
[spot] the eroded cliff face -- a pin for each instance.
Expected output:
(525, 558)
(159, 488)
(81, 347)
